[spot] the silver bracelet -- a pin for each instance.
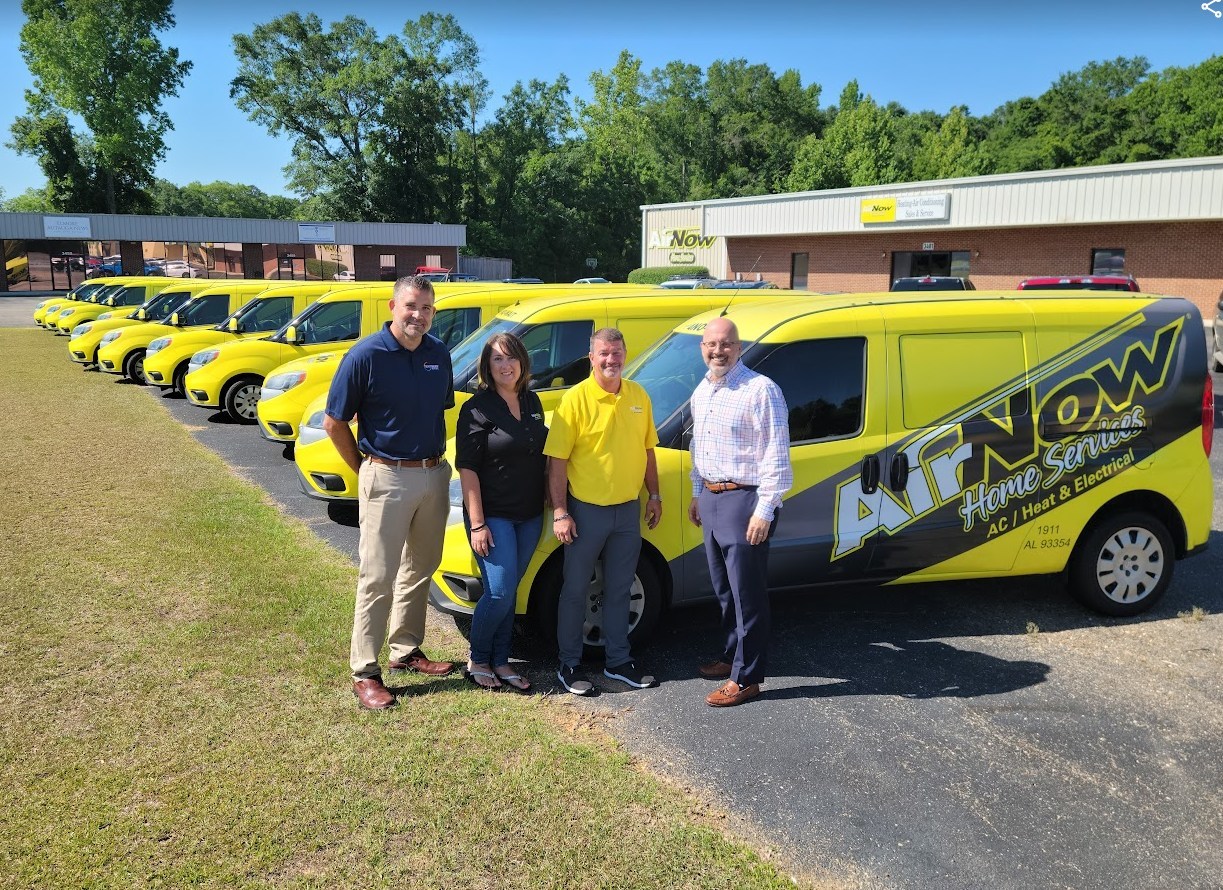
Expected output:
(562, 516)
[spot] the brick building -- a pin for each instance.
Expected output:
(1160, 221)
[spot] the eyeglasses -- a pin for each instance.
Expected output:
(720, 344)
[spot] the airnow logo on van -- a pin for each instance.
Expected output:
(689, 238)
(1001, 464)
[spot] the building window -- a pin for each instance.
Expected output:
(1108, 261)
(798, 271)
(917, 264)
(386, 267)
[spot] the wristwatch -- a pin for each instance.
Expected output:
(656, 497)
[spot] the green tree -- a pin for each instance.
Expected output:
(371, 119)
(220, 199)
(1177, 113)
(100, 60)
(32, 200)
(857, 149)
(950, 151)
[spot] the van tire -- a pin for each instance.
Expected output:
(1123, 565)
(241, 399)
(133, 367)
(645, 604)
(178, 382)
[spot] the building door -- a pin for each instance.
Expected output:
(798, 271)
(67, 270)
(919, 263)
(290, 266)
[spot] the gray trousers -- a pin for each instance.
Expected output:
(614, 532)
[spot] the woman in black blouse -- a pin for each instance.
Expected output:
(500, 457)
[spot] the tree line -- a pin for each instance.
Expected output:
(400, 128)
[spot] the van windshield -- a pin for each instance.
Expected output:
(670, 372)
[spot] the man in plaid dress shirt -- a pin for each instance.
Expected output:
(740, 470)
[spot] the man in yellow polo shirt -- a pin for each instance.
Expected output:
(601, 446)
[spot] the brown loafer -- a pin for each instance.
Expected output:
(372, 695)
(715, 670)
(420, 664)
(731, 694)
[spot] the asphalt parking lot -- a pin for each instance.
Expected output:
(945, 736)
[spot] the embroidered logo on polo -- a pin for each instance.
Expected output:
(434, 366)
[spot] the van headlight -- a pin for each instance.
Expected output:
(315, 420)
(81, 330)
(286, 381)
(157, 346)
(110, 337)
(203, 357)
(64, 313)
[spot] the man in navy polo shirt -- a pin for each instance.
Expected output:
(397, 382)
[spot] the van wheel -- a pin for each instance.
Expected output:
(645, 604)
(241, 399)
(179, 380)
(133, 367)
(1123, 565)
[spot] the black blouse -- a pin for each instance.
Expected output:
(506, 454)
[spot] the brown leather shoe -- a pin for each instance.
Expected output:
(731, 693)
(420, 664)
(372, 695)
(715, 670)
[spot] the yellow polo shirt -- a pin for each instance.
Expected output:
(604, 436)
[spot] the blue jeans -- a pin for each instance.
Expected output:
(492, 624)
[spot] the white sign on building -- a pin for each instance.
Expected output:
(66, 227)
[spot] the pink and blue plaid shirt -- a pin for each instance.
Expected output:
(741, 434)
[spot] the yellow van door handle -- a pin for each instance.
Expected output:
(870, 474)
(898, 472)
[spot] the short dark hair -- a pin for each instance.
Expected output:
(607, 335)
(511, 346)
(418, 283)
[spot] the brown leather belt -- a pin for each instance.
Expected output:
(426, 463)
(719, 487)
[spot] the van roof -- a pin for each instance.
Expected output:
(694, 300)
(756, 320)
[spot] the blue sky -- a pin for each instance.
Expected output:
(924, 55)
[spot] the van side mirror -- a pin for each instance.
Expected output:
(291, 334)
(234, 326)
(142, 315)
(173, 319)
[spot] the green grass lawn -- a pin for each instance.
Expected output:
(176, 709)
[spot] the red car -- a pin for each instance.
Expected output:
(1081, 282)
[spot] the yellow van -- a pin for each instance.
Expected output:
(555, 330)
(125, 351)
(87, 336)
(938, 436)
(290, 388)
(80, 292)
(77, 301)
(261, 316)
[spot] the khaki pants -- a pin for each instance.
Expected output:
(403, 523)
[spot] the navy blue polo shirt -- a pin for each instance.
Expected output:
(398, 395)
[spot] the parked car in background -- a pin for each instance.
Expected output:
(1217, 359)
(344, 275)
(932, 282)
(687, 283)
(1081, 282)
(592, 281)
(746, 285)
(182, 269)
(522, 281)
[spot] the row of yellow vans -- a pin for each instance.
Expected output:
(934, 435)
